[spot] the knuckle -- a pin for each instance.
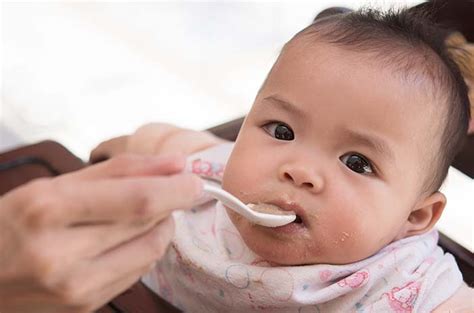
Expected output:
(39, 186)
(122, 160)
(73, 293)
(42, 264)
(44, 206)
(39, 216)
(143, 206)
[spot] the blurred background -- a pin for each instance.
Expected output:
(82, 72)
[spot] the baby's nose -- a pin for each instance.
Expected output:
(302, 177)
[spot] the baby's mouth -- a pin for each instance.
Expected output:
(281, 207)
(298, 220)
(295, 228)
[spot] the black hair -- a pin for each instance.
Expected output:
(411, 43)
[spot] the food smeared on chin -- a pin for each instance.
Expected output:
(272, 209)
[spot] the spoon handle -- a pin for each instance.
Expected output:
(227, 199)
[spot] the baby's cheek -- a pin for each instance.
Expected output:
(367, 237)
(240, 179)
(345, 235)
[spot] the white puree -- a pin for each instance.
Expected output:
(269, 208)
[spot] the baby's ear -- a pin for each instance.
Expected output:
(423, 217)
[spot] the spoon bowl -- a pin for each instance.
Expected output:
(264, 219)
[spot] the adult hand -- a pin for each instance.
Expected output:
(72, 243)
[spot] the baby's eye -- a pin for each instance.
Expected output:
(357, 163)
(279, 130)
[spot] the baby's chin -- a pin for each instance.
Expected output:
(295, 249)
(293, 254)
(276, 247)
(277, 255)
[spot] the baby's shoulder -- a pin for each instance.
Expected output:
(462, 301)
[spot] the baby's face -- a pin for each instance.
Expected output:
(338, 139)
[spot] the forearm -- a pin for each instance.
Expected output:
(160, 138)
(156, 139)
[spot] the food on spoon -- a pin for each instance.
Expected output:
(269, 209)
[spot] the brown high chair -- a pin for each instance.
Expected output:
(49, 158)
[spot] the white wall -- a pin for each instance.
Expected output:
(81, 72)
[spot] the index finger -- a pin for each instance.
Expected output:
(128, 200)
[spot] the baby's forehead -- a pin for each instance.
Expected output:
(417, 72)
(415, 65)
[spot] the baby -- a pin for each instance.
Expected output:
(354, 130)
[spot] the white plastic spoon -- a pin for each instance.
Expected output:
(264, 219)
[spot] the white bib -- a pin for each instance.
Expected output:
(208, 268)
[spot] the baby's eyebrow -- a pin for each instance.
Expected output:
(284, 105)
(372, 141)
(375, 142)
